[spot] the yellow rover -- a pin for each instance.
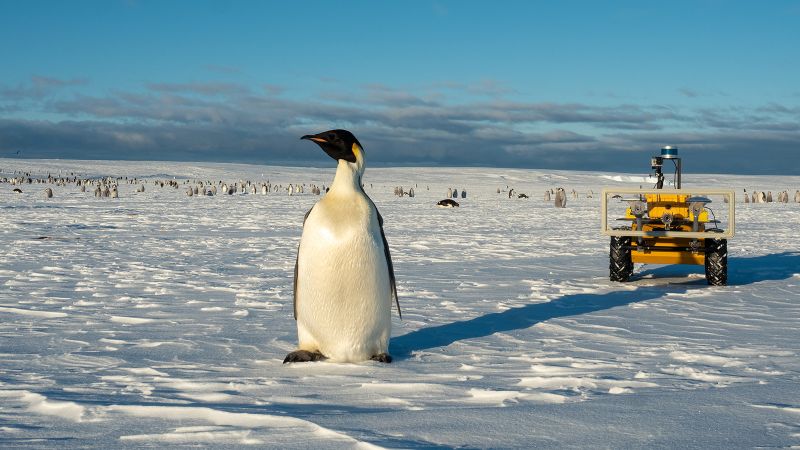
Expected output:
(669, 226)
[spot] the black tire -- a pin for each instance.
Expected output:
(620, 265)
(717, 262)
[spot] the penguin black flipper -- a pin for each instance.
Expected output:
(297, 260)
(389, 264)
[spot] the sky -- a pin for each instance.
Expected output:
(582, 85)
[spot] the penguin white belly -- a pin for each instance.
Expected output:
(343, 291)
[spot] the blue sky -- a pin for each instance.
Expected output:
(520, 84)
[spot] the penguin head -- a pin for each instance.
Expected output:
(339, 144)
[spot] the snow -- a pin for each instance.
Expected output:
(161, 319)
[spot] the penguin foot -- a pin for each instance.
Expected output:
(383, 357)
(303, 356)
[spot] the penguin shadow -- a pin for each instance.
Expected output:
(741, 271)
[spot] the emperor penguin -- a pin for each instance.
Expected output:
(344, 282)
(561, 198)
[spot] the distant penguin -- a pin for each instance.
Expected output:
(455, 193)
(98, 192)
(546, 195)
(449, 192)
(746, 197)
(189, 192)
(561, 198)
(523, 195)
(510, 193)
(498, 190)
(48, 193)
(769, 197)
(463, 193)
(344, 281)
(114, 192)
(448, 203)
(140, 188)
(797, 196)
(411, 192)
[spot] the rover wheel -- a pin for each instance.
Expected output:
(717, 262)
(620, 266)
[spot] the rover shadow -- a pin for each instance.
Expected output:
(741, 271)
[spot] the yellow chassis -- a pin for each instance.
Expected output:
(656, 243)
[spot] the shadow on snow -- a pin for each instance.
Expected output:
(741, 271)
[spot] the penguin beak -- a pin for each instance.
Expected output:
(314, 138)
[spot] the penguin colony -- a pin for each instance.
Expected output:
(767, 197)
(109, 187)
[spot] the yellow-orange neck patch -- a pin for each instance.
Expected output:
(357, 151)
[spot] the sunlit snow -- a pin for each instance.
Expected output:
(157, 318)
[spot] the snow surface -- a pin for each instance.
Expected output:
(159, 319)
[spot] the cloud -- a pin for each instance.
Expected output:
(200, 88)
(44, 83)
(484, 87)
(223, 69)
(38, 87)
(273, 89)
(229, 122)
(391, 97)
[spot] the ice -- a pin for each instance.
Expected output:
(158, 319)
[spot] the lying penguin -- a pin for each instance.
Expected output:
(448, 203)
